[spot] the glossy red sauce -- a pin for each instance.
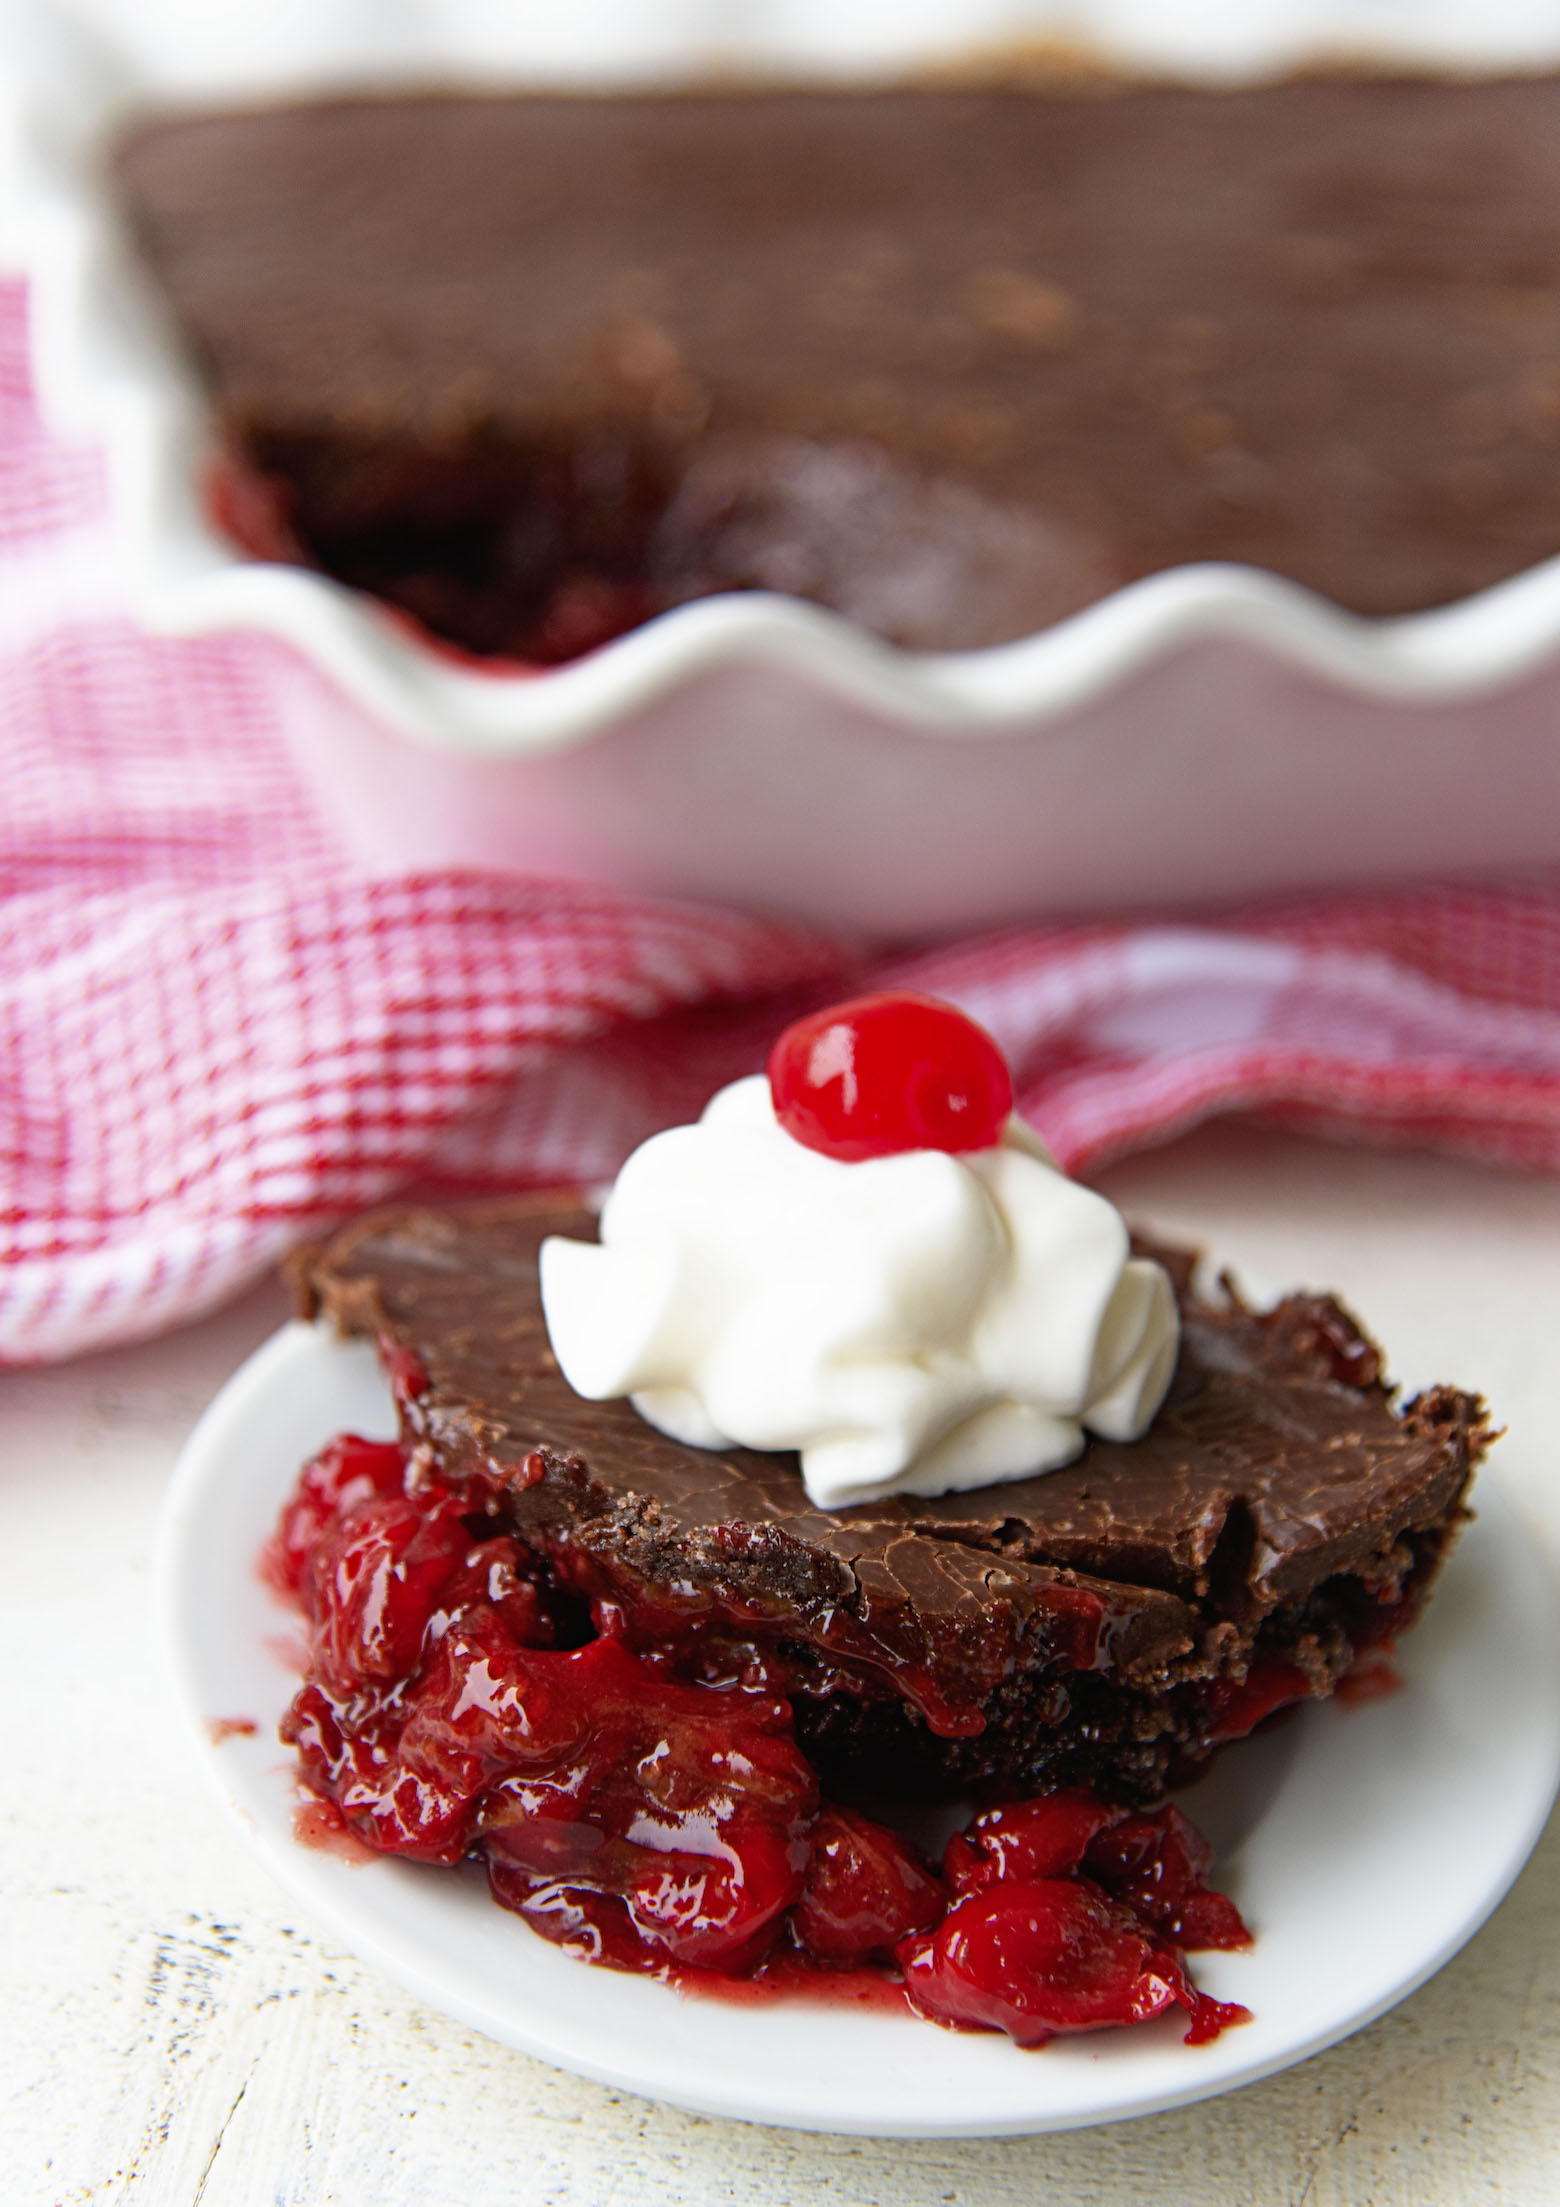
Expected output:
(459, 1700)
(1372, 1676)
(320, 1824)
(219, 1729)
(254, 511)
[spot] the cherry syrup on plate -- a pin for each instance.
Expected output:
(461, 1700)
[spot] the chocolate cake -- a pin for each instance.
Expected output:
(953, 362)
(1107, 1625)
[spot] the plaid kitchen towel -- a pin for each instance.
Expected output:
(216, 1037)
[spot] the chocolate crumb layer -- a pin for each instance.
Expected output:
(1089, 1625)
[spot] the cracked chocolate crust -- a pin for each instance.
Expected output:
(1088, 1625)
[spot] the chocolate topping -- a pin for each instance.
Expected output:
(954, 362)
(1278, 1469)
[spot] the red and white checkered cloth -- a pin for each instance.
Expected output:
(215, 1038)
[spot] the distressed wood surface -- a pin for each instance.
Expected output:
(172, 2032)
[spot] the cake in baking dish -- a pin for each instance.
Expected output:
(954, 363)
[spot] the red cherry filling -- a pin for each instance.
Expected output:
(1033, 1957)
(885, 1074)
(1043, 1838)
(1156, 1865)
(1269, 1685)
(653, 1810)
(348, 1471)
(373, 1584)
(1066, 1917)
(865, 1890)
(1153, 1864)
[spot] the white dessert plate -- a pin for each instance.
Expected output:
(1364, 1845)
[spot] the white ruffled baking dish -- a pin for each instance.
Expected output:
(1209, 732)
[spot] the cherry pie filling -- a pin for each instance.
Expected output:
(651, 1809)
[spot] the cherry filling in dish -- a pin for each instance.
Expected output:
(651, 1808)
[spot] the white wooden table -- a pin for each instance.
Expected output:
(172, 2032)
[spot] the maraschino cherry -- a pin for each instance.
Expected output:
(889, 1073)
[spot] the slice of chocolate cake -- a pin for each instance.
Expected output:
(1107, 1624)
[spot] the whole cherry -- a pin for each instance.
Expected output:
(889, 1073)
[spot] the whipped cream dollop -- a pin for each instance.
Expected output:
(910, 1324)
